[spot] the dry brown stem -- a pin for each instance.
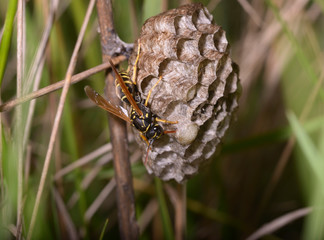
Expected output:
(112, 45)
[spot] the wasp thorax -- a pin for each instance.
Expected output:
(199, 88)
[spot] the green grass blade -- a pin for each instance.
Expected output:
(164, 210)
(104, 229)
(311, 153)
(313, 228)
(314, 158)
(151, 8)
(7, 35)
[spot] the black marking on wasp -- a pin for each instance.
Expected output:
(141, 116)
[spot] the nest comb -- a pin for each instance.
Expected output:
(199, 89)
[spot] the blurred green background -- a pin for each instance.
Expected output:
(271, 163)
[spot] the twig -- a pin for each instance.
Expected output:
(56, 86)
(58, 118)
(112, 45)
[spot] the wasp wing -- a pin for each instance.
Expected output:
(104, 104)
(125, 90)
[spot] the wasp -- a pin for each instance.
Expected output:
(139, 115)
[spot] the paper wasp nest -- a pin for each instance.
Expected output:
(200, 88)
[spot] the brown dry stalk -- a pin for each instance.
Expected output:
(56, 86)
(110, 43)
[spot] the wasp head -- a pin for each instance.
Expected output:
(154, 132)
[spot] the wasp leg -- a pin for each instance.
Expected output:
(169, 131)
(144, 138)
(147, 151)
(136, 61)
(148, 97)
(166, 121)
(150, 92)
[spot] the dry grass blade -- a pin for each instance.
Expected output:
(37, 67)
(33, 103)
(257, 42)
(250, 10)
(148, 214)
(72, 232)
(94, 172)
(21, 44)
(89, 178)
(58, 118)
(279, 223)
(53, 87)
(84, 160)
(99, 200)
(107, 190)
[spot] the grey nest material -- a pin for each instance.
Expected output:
(199, 89)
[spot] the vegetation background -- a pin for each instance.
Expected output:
(268, 179)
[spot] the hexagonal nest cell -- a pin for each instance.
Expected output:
(199, 89)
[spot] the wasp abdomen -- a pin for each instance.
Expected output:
(130, 86)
